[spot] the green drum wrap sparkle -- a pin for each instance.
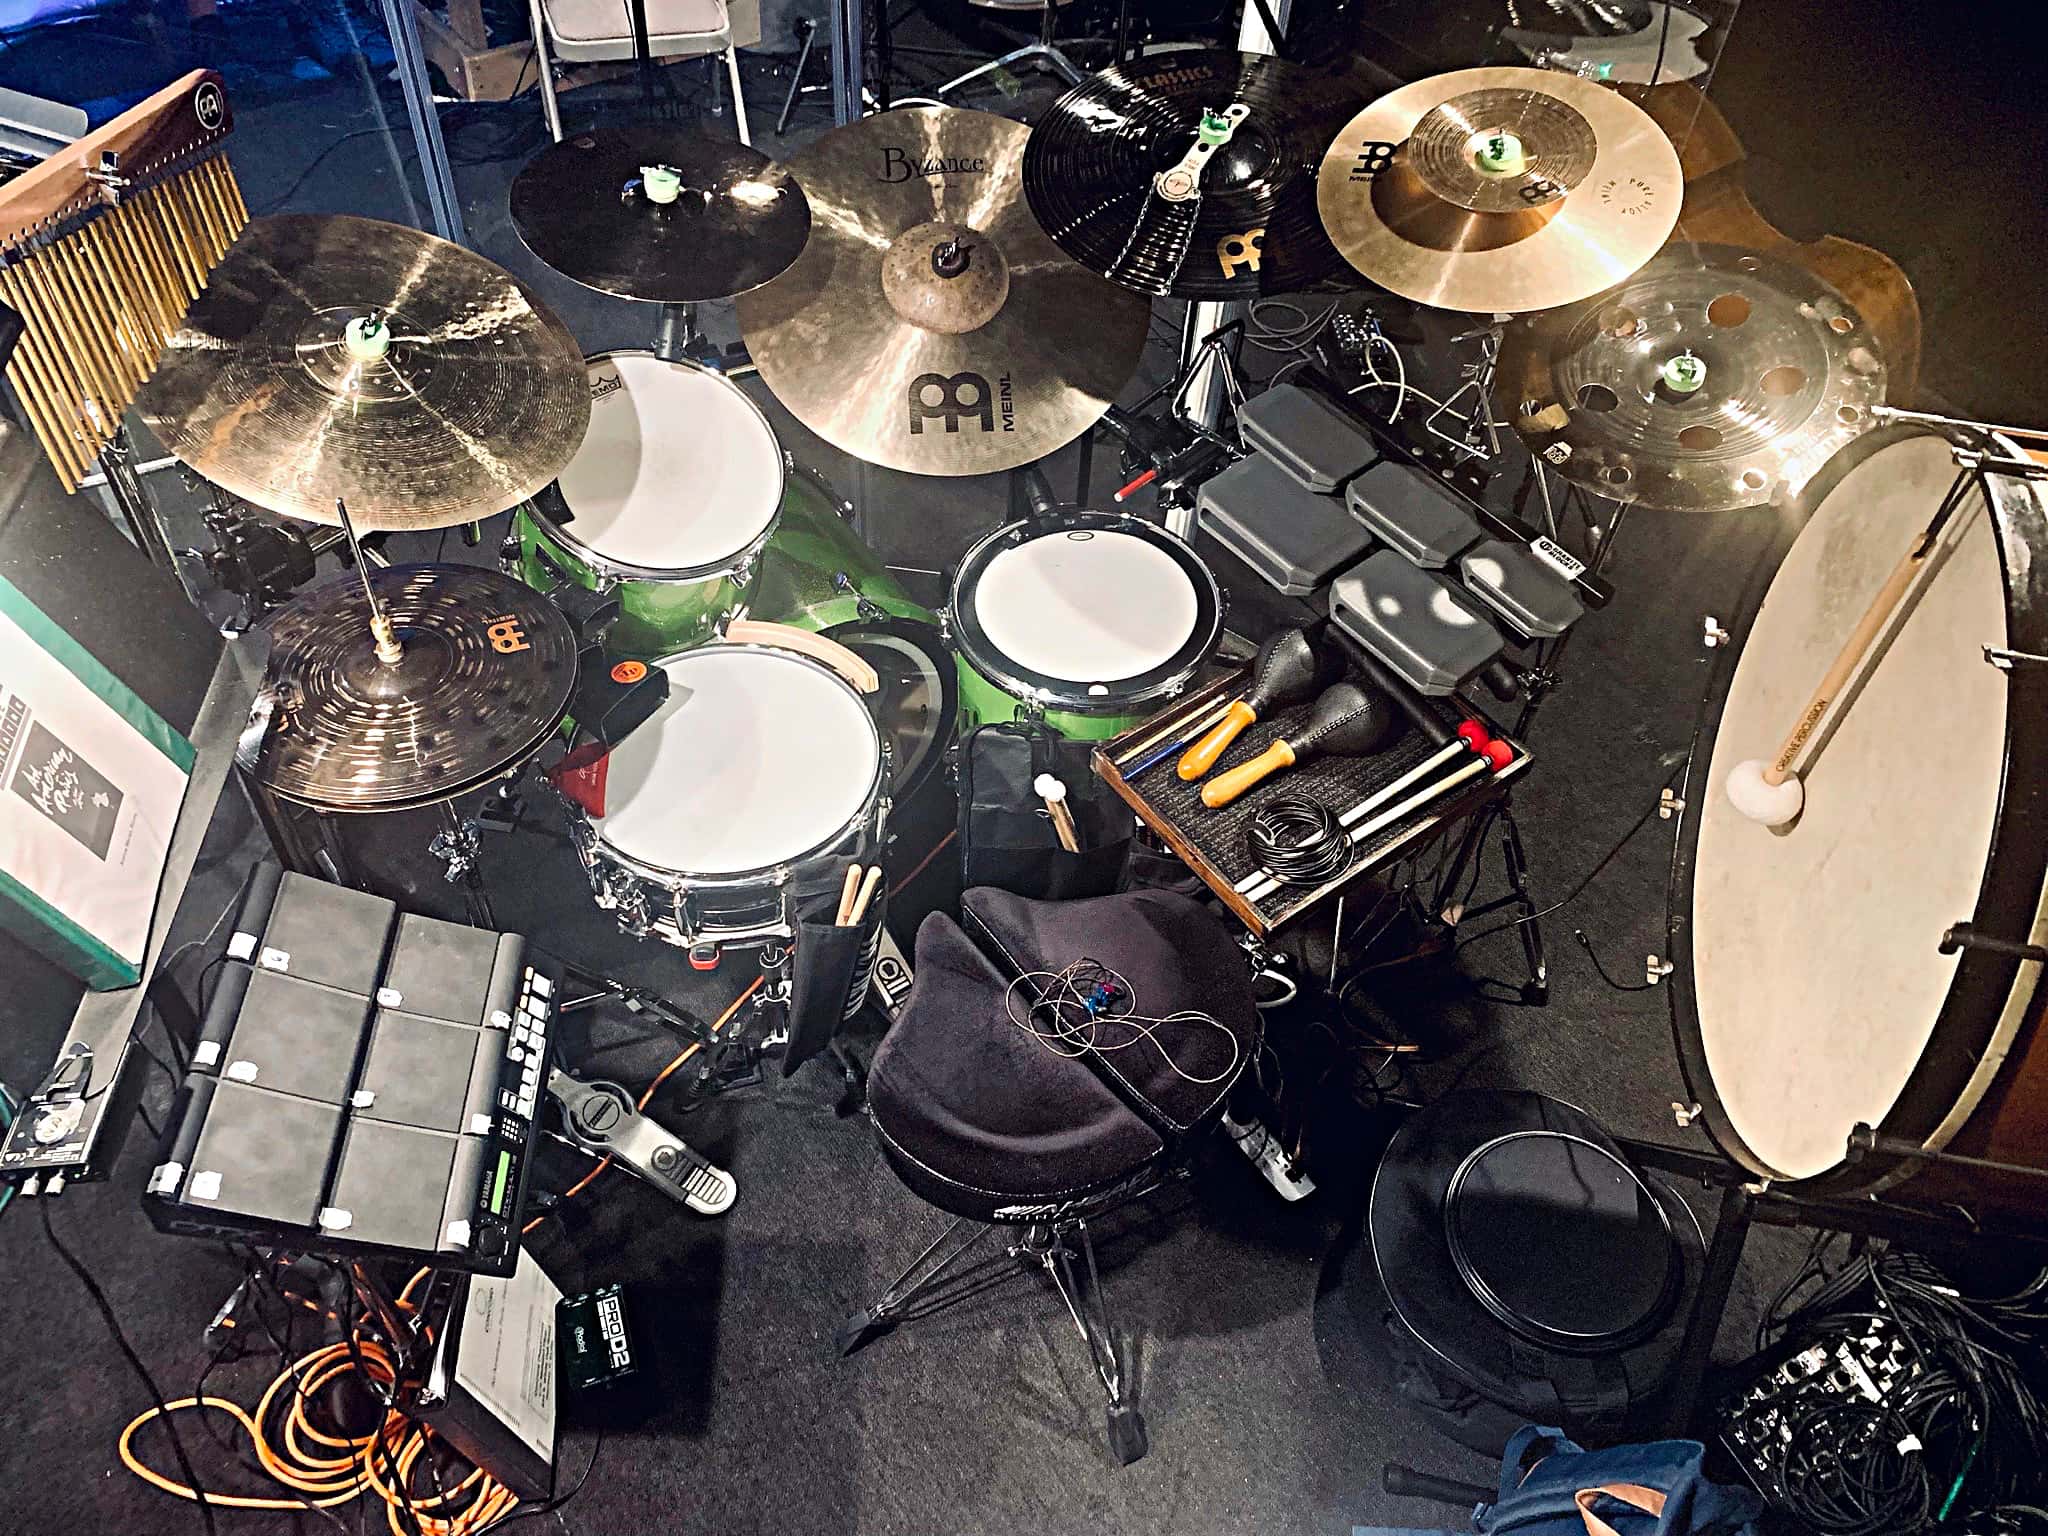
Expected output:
(817, 574)
(1090, 621)
(670, 503)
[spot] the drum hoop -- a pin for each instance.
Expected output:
(625, 570)
(872, 800)
(1982, 1006)
(929, 638)
(1060, 693)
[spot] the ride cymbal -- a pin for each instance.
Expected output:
(1714, 378)
(488, 669)
(732, 220)
(1497, 191)
(1100, 173)
(333, 356)
(929, 324)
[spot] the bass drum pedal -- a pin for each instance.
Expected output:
(601, 1117)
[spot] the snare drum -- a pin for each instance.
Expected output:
(739, 801)
(670, 501)
(1091, 620)
(1811, 994)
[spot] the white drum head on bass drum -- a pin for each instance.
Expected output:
(1815, 970)
(757, 758)
(679, 470)
(1086, 606)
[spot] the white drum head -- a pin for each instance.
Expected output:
(758, 757)
(1815, 970)
(679, 469)
(1086, 606)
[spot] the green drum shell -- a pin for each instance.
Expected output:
(983, 702)
(659, 615)
(816, 570)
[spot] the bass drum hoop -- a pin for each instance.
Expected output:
(1164, 681)
(1952, 1073)
(869, 819)
(549, 508)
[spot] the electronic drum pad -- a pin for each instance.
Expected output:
(1100, 173)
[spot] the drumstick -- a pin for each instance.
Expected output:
(1161, 750)
(1771, 793)
(1054, 793)
(1472, 737)
(867, 894)
(846, 895)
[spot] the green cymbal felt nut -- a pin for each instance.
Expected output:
(1683, 374)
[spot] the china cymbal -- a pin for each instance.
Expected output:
(1714, 378)
(1248, 224)
(584, 207)
(341, 357)
(488, 669)
(1500, 190)
(929, 324)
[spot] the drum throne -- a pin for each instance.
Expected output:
(1007, 1131)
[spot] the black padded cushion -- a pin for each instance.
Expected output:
(1173, 952)
(982, 1120)
(974, 1114)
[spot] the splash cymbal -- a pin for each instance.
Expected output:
(1500, 190)
(929, 324)
(732, 219)
(1714, 378)
(488, 669)
(333, 356)
(1250, 225)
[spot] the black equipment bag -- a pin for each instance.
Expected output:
(1006, 834)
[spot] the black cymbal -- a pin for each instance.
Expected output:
(583, 207)
(1091, 170)
(488, 669)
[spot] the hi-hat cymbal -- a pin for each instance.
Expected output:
(929, 324)
(341, 357)
(488, 669)
(1247, 227)
(1714, 378)
(732, 219)
(1500, 190)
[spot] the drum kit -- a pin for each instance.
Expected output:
(946, 292)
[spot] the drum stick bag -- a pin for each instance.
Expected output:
(1007, 838)
(830, 973)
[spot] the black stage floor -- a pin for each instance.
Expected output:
(985, 1418)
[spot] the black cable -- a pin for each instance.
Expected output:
(1594, 955)
(314, 164)
(1300, 841)
(531, 1511)
(156, 1396)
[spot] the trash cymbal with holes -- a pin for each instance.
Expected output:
(1714, 378)
(929, 324)
(333, 356)
(1499, 191)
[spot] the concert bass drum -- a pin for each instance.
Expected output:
(1810, 994)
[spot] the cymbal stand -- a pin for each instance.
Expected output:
(132, 499)
(389, 651)
(2027, 464)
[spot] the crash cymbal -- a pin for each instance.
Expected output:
(341, 357)
(733, 218)
(1243, 225)
(488, 668)
(1500, 190)
(1713, 378)
(929, 324)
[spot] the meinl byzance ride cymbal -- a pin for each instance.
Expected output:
(1105, 173)
(657, 211)
(333, 356)
(487, 672)
(1714, 378)
(929, 324)
(1498, 191)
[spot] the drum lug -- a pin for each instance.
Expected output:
(508, 553)
(945, 622)
(1684, 1114)
(1657, 969)
(1668, 804)
(1713, 634)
